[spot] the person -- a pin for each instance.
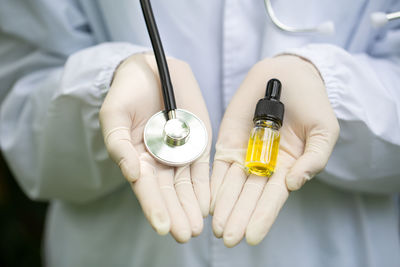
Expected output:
(66, 64)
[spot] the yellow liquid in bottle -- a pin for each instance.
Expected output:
(262, 150)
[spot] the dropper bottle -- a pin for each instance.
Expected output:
(262, 150)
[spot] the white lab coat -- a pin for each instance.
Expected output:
(56, 62)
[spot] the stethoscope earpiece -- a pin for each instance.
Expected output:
(327, 28)
(379, 19)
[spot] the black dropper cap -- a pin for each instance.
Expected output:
(269, 107)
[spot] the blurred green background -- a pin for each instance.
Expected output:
(21, 224)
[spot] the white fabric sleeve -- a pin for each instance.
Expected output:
(53, 78)
(49, 128)
(363, 91)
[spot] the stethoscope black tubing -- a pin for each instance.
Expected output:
(166, 85)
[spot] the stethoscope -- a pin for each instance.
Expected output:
(177, 137)
(378, 19)
(174, 137)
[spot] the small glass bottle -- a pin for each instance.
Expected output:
(262, 150)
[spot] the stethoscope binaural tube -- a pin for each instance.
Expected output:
(326, 27)
(173, 136)
(378, 19)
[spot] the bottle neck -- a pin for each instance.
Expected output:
(267, 123)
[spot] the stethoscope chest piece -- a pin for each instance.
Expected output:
(177, 141)
(174, 136)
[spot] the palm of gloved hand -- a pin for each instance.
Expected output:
(248, 205)
(172, 198)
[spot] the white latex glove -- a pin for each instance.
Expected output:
(248, 205)
(173, 199)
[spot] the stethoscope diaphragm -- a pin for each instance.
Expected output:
(175, 142)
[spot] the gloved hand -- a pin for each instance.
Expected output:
(172, 198)
(248, 205)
